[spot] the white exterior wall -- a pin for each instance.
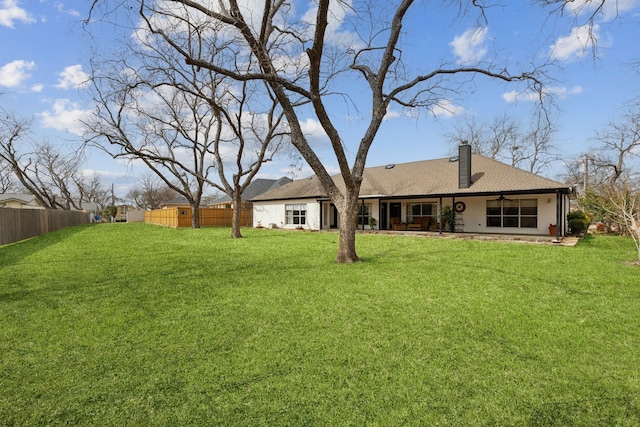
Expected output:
(273, 212)
(135, 215)
(475, 216)
(374, 212)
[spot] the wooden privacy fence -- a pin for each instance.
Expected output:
(20, 224)
(209, 217)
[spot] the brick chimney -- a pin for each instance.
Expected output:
(464, 165)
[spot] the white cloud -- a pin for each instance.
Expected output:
(563, 92)
(560, 92)
(73, 77)
(315, 134)
(609, 10)
(391, 114)
(338, 13)
(10, 12)
(446, 108)
(525, 96)
(575, 45)
(14, 73)
(469, 46)
(60, 8)
(37, 88)
(65, 116)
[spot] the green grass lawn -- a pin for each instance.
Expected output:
(132, 324)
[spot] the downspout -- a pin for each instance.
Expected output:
(320, 203)
(362, 214)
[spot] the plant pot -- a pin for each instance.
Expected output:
(553, 230)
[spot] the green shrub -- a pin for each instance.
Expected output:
(578, 221)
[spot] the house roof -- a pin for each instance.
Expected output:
(178, 200)
(437, 177)
(257, 187)
(18, 197)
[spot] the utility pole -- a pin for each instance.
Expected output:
(586, 172)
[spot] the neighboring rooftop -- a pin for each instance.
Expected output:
(18, 197)
(257, 187)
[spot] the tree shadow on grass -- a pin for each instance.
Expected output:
(13, 253)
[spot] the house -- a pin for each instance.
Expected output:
(19, 201)
(257, 187)
(176, 202)
(29, 201)
(487, 196)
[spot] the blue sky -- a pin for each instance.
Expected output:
(45, 52)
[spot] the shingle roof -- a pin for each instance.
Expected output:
(257, 187)
(437, 177)
(20, 197)
(178, 200)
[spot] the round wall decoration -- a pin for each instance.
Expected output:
(459, 207)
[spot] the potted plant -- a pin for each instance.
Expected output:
(259, 224)
(552, 229)
(372, 223)
(448, 218)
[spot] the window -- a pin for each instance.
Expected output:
(512, 213)
(364, 213)
(420, 210)
(296, 214)
(529, 213)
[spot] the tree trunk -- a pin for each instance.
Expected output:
(235, 217)
(195, 215)
(348, 224)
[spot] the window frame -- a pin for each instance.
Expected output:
(412, 213)
(364, 214)
(509, 213)
(295, 214)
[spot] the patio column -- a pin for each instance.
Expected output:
(440, 216)
(453, 224)
(559, 215)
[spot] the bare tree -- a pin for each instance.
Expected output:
(6, 178)
(610, 178)
(54, 174)
(302, 59)
(623, 205)
(90, 189)
(185, 122)
(12, 130)
(41, 168)
(617, 145)
(151, 193)
(504, 139)
(610, 161)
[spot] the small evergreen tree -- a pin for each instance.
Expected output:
(109, 212)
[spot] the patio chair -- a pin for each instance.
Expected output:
(425, 223)
(396, 224)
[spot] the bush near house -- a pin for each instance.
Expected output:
(578, 222)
